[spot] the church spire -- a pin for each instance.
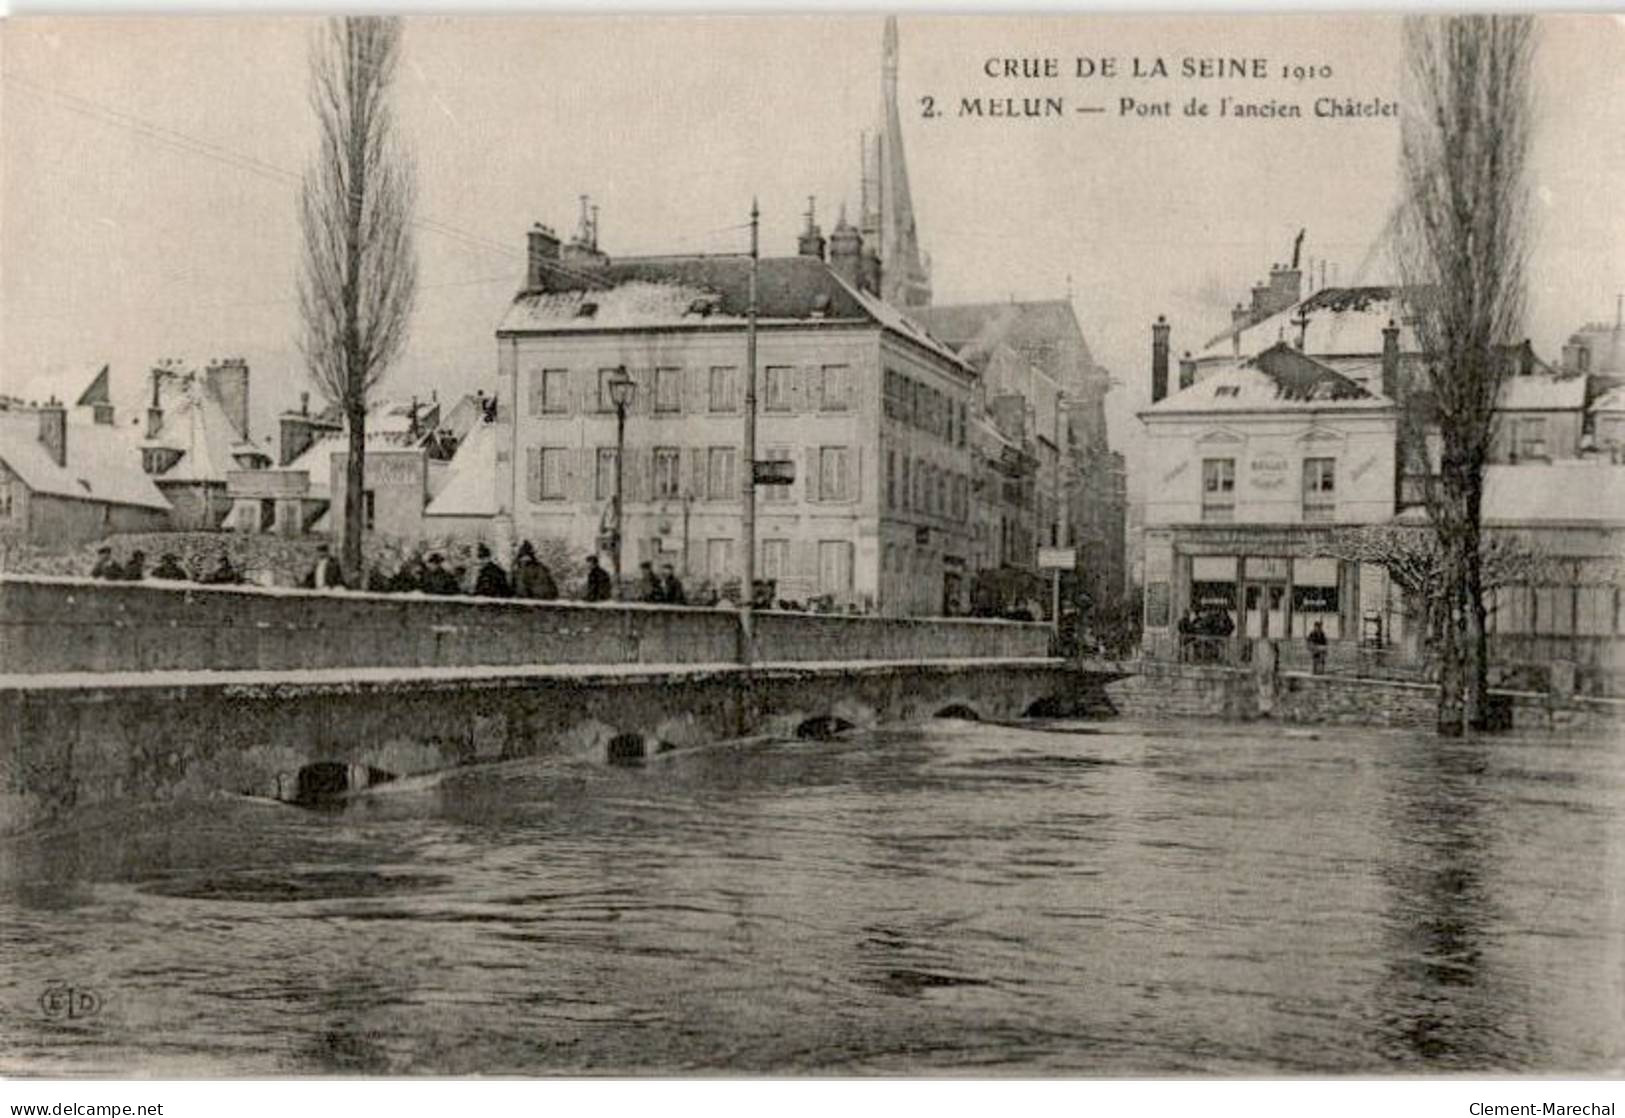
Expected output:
(887, 219)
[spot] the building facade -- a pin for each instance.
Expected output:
(870, 410)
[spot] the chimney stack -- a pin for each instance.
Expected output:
(1526, 359)
(304, 403)
(543, 249)
(229, 381)
(155, 412)
(811, 241)
(1187, 371)
(1390, 360)
(1159, 358)
(846, 252)
(53, 430)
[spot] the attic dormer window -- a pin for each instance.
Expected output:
(1227, 390)
(587, 310)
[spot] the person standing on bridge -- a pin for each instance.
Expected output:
(326, 574)
(649, 586)
(491, 581)
(599, 586)
(106, 566)
(136, 569)
(671, 590)
(531, 578)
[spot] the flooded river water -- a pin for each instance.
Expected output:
(1094, 898)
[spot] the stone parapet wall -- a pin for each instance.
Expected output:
(80, 625)
(1161, 690)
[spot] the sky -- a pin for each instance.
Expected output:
(149, 169)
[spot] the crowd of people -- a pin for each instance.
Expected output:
(169, 568)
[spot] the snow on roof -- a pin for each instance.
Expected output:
(1611, 401)
(1341, 320)
(1279, 379)
(470, 490)
(196, 424)
(1543, 392)
(687, 291)
(1571, 491)
(316, 460)
(103, 462)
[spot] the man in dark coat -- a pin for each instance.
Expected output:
(490, 581)
(410, 575)
(169, 568)
(671, 590)
(224, 574)
(438, 580)
(649, 586)
(326, 574)
(531, 578)
(106, 567)
(599, 586)
(136, 569)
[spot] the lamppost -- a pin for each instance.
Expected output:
(621, 388)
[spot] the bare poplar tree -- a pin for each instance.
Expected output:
(1462, 245)
(360, 269)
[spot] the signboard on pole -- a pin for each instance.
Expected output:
(1057, 558)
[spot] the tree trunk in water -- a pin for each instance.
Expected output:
(1476, 637)
(355, 488)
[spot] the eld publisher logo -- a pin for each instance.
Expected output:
(63, 1002)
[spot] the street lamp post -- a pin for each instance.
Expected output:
(621, 388)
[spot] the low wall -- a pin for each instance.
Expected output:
(80, 625)
(68, 743)
(1163, 690)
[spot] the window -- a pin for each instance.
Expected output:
(604, 476)
(941, 506)
(775, 559)
(545, 473)
(961, 424)
(834, 566)
(719, 473)
(1218, 489)
(834, 480)
(922, 482)
(837, 387)
(1530, 438)
(907, 491)
(547, 391)
(7, 501)
(776, 494)
(891, 479)
(1319, 489)
(719, 559)
(667, 472)
(369, 505)
(778, 386)
(893, 387)
(724, 388)
(668, 390)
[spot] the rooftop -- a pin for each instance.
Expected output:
(103, 463)
(1341, 321)
(654, 292)
(1279, 379)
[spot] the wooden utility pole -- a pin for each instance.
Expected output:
(748, 514)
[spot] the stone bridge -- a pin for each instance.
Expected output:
(146, 692)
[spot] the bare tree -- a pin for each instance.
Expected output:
(1417, 563)
(360, 269)
(1462, 244)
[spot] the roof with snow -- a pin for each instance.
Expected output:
(1341, 321)
(1544, 390)
(1611, 401)
(676, 292)
(470, 490)
(197, 424)
(103, 463)
(1279, 379)
(1570, 491)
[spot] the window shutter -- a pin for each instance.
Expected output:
(696, 389)
(534, 384)
(854, 480)
(643, 396)
(533, 473)
(696, 472)
(814, 483)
